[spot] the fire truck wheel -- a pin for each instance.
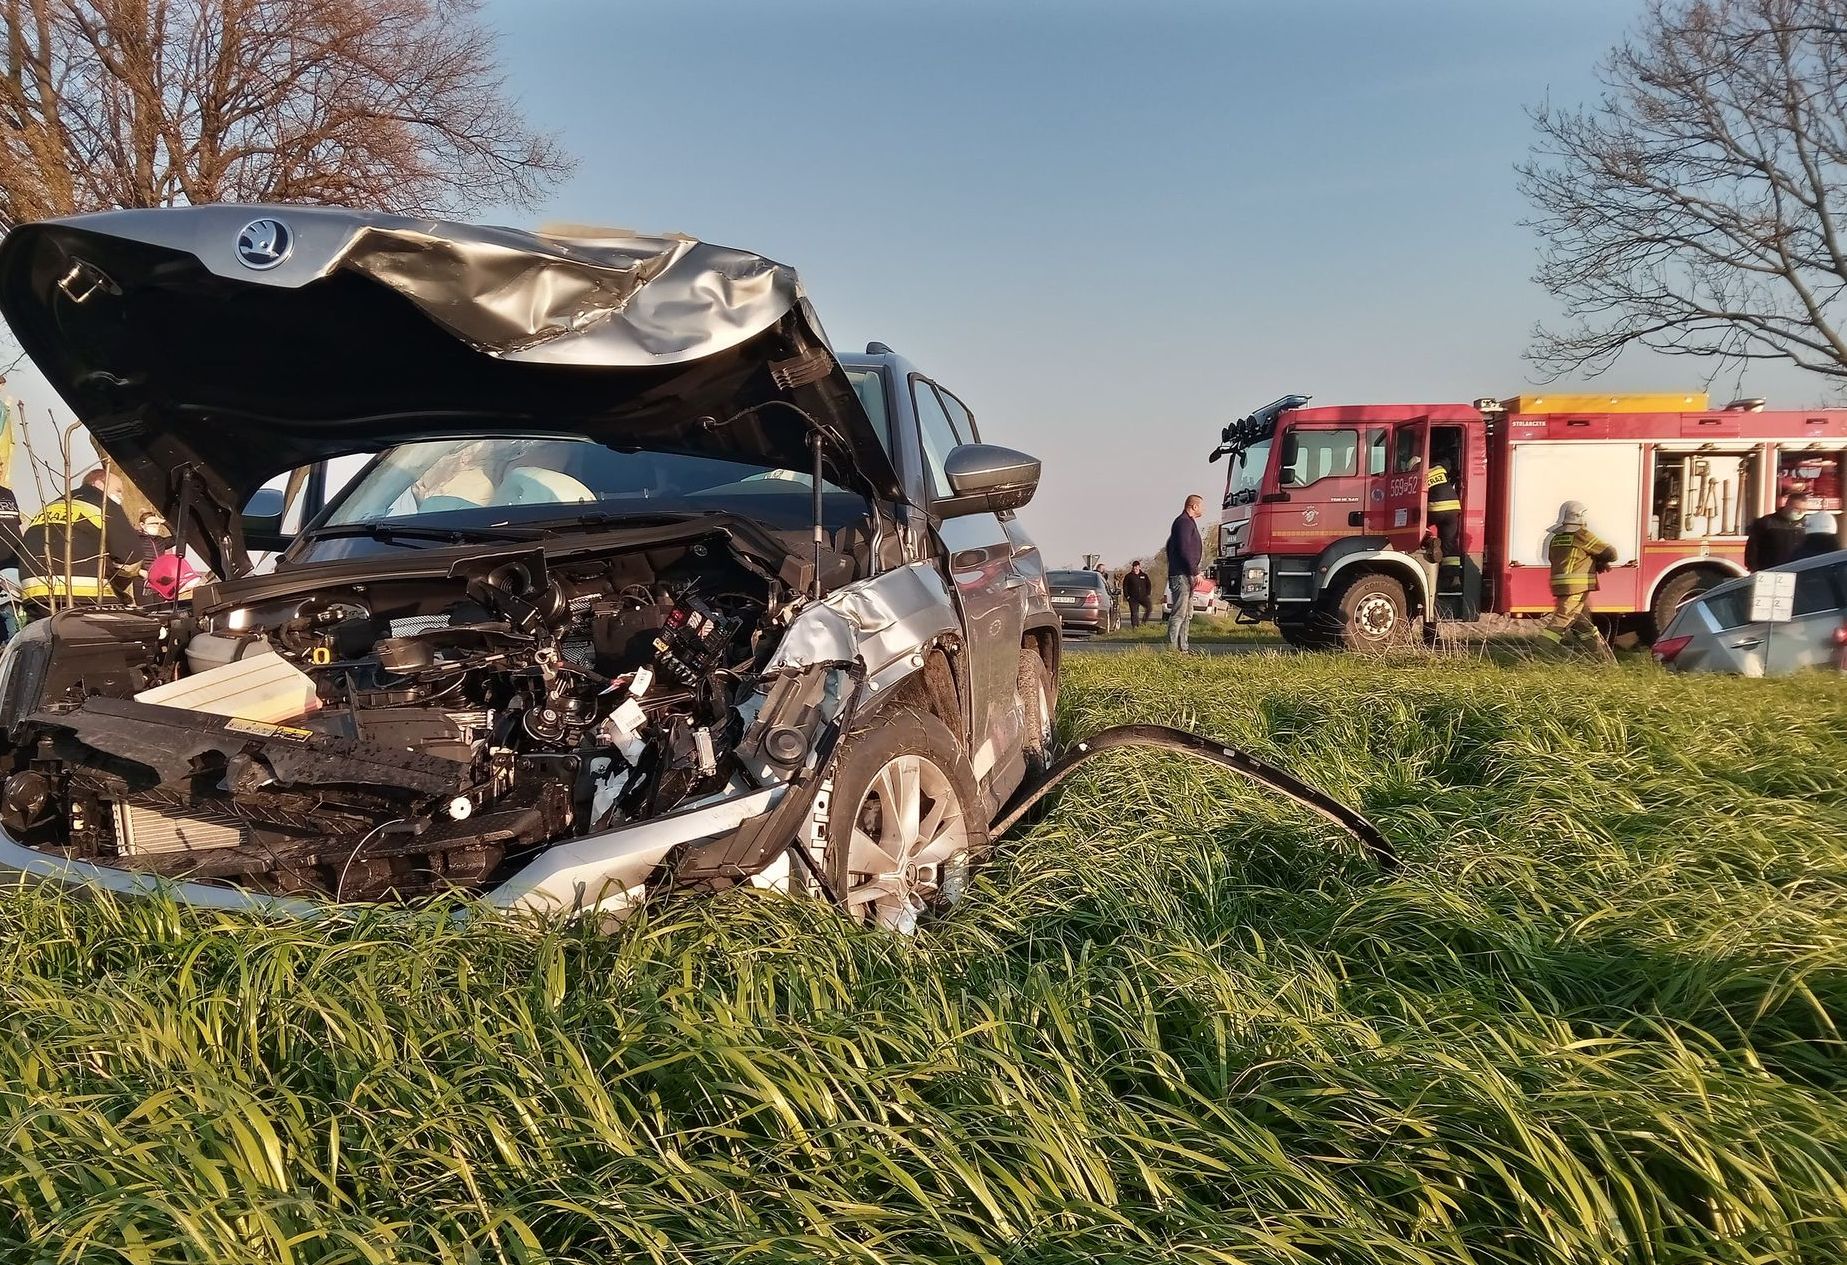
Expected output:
(1670, 596)
(1373, 614)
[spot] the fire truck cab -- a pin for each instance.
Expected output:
(1324, 522)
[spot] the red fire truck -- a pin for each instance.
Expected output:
(1324, 519)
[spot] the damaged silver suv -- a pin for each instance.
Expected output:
(644, 586)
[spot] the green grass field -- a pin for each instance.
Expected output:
(1596, 1017)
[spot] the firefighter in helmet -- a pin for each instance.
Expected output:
(79, 548)
(1577, 555)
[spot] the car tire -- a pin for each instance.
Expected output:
(1372, 615)
(1038, 697)
(893, 873)
(1670, 597)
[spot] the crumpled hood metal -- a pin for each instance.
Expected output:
(595, 297)
(375, 329)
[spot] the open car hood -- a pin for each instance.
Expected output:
(237, 342)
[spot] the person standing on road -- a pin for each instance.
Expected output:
(1577, 554)
(1138, 591)
(1182, 568)
(1777, 538)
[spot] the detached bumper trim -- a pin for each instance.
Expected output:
(29, 865)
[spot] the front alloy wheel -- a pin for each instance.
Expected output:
(903, 830)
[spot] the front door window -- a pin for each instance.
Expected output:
(1311, 455)
(1396, 501)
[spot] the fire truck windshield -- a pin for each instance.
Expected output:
(1245, 473)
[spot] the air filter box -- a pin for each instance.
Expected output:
(266, 688)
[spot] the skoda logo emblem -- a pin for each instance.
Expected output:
(262, 244)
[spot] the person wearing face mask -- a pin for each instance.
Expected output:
(1777, 538)
(79, 549)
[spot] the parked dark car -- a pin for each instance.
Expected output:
(1083, 601)
(639, 566)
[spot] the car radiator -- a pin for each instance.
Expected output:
(143, 831)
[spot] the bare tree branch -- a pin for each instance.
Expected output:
(1693, 209)
(388, 103)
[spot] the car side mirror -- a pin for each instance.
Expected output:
(987, 479)
(262, 520)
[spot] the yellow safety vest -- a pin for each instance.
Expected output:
(1573, 555)
(64, 513)
(1444, 499)
(84, 582)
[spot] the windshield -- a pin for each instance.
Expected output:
(1074, 579)
(1246, 473)
(500, 482)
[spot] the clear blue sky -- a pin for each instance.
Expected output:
(1109, 227)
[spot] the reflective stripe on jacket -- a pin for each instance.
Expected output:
(40, 588)
(98, 537)
(1574, 556)
(1445, 498)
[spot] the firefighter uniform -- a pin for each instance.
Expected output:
(101, 542)
(1445, 511)
(1577, 554)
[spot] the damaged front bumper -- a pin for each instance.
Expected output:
(604, 874)
(792, 723)
(731, 836)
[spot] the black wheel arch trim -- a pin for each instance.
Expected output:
(1246, 765)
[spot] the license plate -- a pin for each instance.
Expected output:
(1064, 601)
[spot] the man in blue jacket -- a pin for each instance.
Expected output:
(1182, 570)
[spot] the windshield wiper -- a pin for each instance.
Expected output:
(391, 533)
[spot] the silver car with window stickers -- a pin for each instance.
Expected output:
(1715, 632)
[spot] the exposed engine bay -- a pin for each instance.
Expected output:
(424, 728)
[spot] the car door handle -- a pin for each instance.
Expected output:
(1748, 643)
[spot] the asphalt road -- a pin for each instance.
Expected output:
(1084, 645)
